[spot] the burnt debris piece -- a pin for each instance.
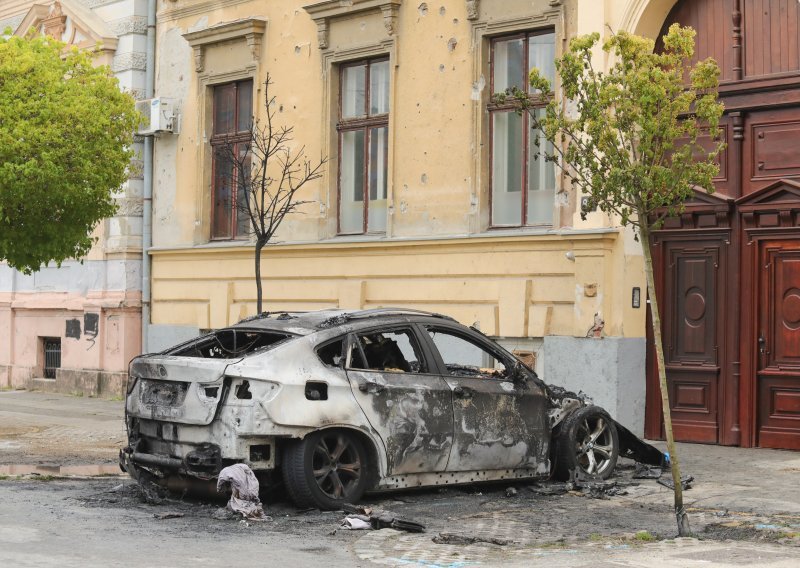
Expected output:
(644, 471)
(634, 448)
(361, 518)
(686, 482)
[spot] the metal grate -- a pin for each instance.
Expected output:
(52, 356)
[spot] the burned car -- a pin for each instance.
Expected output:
(337, 402)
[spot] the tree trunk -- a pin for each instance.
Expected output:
(259, 293)
(680, 511)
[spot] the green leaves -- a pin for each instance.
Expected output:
(628, 137)
(65, 136)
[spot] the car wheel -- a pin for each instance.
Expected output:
(587, 443)
(326, 469)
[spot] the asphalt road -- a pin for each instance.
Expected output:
(744, 508)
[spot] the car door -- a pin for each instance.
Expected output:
(404, 397)
(498, 422)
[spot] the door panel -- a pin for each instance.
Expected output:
(498, 423)
(778, 376)
(410, 407)
(771, 150)
(692, 338)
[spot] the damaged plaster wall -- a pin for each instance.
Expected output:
(610, 370)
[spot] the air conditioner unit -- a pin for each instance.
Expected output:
(158, 115)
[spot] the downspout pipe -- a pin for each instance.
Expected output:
(147, 196)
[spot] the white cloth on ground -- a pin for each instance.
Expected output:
(244, 491)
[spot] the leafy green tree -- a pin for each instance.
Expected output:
(628, 138)
(66, 131)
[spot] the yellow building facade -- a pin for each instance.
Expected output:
(448, 230)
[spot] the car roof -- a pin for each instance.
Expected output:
(305, 323)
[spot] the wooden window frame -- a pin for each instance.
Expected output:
(364, 123)
(216, 140)
(537, 100)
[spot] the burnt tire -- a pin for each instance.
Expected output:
(326, 469)
(588, 444)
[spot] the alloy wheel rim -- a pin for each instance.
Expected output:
(595, 445)
(336, 465)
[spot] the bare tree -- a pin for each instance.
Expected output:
(267, 172)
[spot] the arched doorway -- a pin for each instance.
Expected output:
(729, 268)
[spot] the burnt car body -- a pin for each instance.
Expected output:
(339, 402)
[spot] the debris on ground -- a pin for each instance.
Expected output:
(511, 492)
(150, 492)
(243, 485)
(450, 538)
(686, 482)
(388, 520)
(549, 488)
(356, 509)
(599, 489)
(356, 523)
(165, 516)
(644, 471)
(225, 514)
(363, 518)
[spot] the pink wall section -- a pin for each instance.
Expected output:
(25, 318)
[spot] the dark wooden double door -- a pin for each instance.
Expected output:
(731, 338)
(728, 269)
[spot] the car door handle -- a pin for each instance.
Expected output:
(463, 392)
(371, 387)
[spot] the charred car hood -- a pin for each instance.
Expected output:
(177, 389)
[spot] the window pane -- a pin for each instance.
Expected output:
(506, 168)
(223, 177)
(541, 179)
(245, 96)
(351, 182)
(542, 53)
(378, 150)
(224, 108)
(464, 358)
(379, 87)
(354, 84)
(243, 225)
(508, 64)
(392, 351)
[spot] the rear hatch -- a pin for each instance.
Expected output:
(187, 383)
(177, 389)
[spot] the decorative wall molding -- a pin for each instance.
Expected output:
(473, 9)
(97, 3)
(69, 22)
(129, 25)
(196, 8)
(250, 30)
(136, 61)
(323, 12)
(129, 207)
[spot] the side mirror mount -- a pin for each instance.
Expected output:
(518, 374)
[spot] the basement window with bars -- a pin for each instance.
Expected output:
(52, 356)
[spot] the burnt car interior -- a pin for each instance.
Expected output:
(392, 351)
(229, 343)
